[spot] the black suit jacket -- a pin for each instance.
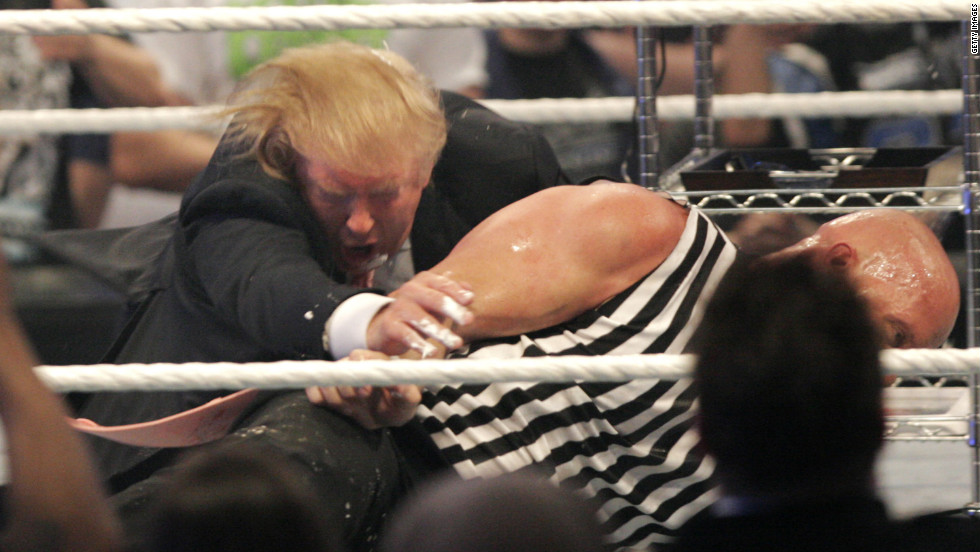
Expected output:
(242, 272)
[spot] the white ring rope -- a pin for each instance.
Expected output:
(479, 14)
(299, 374)
(80, 121)
(728, 106)
(569, 110)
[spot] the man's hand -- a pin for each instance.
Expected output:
(414, 316)
(372, 407)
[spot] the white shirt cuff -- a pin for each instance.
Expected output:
(346, 329)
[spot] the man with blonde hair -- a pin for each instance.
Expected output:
(327, 190)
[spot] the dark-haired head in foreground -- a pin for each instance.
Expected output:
(789, 382)
(239, 499)
(518, 512)
(790, 398)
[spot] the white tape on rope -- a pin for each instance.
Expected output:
(299, 374)
(572, 14)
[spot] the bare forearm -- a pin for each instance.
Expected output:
(123, 75)
(165, 160)
(617, 47)
(90, 184)
(745, 70)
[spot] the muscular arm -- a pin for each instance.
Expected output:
(535, 263)
(560, 252)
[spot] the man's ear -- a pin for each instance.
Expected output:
(839, 256)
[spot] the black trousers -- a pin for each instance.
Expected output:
(359, 474)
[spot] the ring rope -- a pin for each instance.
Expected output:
(299, 374)
(550, 15)
(570, 110)
(728, 106)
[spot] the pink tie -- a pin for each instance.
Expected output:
(197, 426)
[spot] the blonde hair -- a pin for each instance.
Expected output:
(352, 106)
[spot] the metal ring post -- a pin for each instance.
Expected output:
(971, 203)
(704, 90)
(648, 136)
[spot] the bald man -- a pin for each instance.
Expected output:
(616, 269)
(898, 266)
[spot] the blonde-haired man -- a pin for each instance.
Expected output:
(327, 190)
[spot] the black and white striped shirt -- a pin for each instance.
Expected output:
(629, 445)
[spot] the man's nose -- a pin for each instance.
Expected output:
(360, 220)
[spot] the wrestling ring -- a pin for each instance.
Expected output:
(952, 414)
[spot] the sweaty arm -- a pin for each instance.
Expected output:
(537, 262)
(553, 255)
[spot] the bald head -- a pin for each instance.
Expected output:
(900, 268)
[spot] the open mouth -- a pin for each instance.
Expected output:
(358, 253)
(363, 257)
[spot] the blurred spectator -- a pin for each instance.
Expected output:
(581, 63)
(52, 501)
(244, 498)
(50, 181)
(55, 181)
(519, 512)
(560, 63)
(44, 176)
(790, 396)
(740, 55)
(204, 67)
(893, 56)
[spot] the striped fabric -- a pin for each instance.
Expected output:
(629, 445)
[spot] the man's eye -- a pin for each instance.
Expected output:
(899, 339)
(385, 196)
(332, 197)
